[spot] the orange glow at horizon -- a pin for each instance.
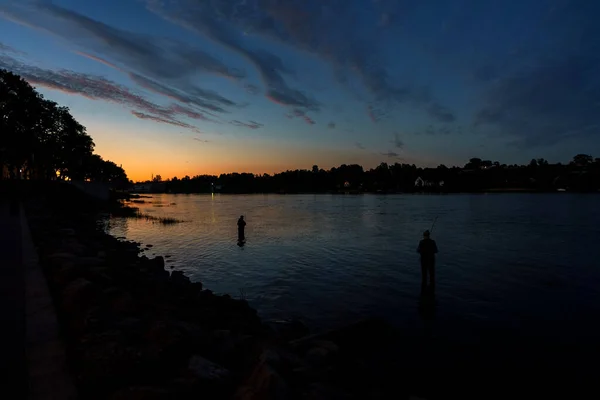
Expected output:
(144, 154)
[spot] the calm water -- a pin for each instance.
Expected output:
(514, 270)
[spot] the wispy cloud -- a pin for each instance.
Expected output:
(545, 104)
(201, 140)
(165, 66)
(359, 145)
(391, 154)
(252, 89)
(99, 88)
(249, 124)
(4, 48)
(212, 20)
(336, 31)
(331, 125)
(162, 120)
(397, 141)
(439, 130)
(308, 120)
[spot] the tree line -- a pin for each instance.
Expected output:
(41, 140)
(582, 174)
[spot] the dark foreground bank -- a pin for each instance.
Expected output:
(135, 331)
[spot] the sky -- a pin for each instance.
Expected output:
(189, 87)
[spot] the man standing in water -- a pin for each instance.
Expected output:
(427, 249)
(241, 225)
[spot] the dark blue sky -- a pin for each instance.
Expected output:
(194, 86)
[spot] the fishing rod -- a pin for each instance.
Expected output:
(432, 225)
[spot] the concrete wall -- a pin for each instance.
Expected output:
(97, 190)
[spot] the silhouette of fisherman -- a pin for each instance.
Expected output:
(241, 225)
(427, 249)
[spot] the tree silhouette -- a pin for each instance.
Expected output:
(42, 140)
(582, 159)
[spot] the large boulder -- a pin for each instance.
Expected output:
(119, 300)
(78, 295)
(169, 342)
(178, 278)
(207, 370)
(264, 383)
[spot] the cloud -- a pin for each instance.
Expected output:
(440, 113)
(337, 31)
(556, 99)
(211, 20)
(359, 146)
(252, 89)
(4, 48)
(300, 113)
(169, 121)
(95, 87)
(249, 124)
(398, 143)
(200, 140)
(308, 120)
(331, 125)
(439, 130)
(163, 65)
(391, 154)
(194, 96)
(375, 114)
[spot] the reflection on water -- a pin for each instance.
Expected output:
(523, 265)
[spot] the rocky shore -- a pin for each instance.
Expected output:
(133, 330)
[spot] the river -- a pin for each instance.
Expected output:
(513, 271)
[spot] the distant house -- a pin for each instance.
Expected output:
(420, 182)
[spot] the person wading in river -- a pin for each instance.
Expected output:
(427, 249)
(241, 226)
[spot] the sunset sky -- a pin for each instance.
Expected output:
(187, 87)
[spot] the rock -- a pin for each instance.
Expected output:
(327, 345)
(271, 357)
(263, 383)
(106, 364)
(66, 232)
(61, 257)
(207, 370)
(142, 393)
(90, 261)
(74, 246)
(157, 263)
(78, 295)
(167, 341)
(178, 278)
(317, 355)
(221, 334)
(120, 301)
(320, 391)
(149, 245)
(289, 330)
(65, 273)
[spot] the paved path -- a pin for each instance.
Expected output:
(32, 355)
(13, 370)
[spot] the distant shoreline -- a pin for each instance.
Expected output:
(483, 191)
